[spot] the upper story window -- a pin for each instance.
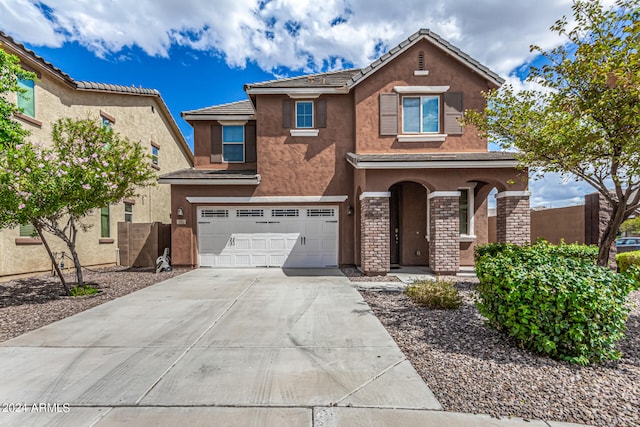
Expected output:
(233, 144)
(107, 120)
(304, 114)
(26, 98)
(155, 155)
(429, 113)
(421, 114)
(304, 117)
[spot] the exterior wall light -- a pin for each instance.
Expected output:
(180, 212)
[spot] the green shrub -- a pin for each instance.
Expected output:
(438, 294)
(80, 291)
(554, 299)
(542, 248)
(629, 262)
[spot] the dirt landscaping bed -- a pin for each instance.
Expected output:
(471, 368)
(28, 304)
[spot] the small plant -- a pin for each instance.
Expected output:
(80, 291)
(438, 294)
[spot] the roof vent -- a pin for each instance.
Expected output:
(421, 70)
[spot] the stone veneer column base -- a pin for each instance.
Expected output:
(444, 232)
(374, 233)
(513, 217)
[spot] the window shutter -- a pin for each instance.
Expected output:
(216, 143)
(287, 113)
(321, 113)
(388, 114)
(453, 110)
(250, 142)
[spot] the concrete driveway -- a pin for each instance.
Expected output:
(261, 347)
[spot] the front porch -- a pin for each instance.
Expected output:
(431, 210)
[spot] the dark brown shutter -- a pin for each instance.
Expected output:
(453, 110)
(250, 142)
(388, 114)
(216, 143)
(321, 113)
(287, 113)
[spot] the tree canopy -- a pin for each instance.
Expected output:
(56, 187)
(584, 120)
(11, 72)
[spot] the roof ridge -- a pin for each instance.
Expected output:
(37, 57)
(326, 73)
(227, 104)
(112, 87)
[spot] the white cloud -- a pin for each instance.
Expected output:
(296, 34)
(307, 35)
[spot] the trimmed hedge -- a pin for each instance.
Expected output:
(629, 262)
(554, 299)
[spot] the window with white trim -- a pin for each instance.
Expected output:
(304, 114)
(128, 212)
(421, 114)
(233, 144)
(26, 97)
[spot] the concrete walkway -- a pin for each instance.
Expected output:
(260, 347)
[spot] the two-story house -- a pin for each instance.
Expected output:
(364, 166)
(138, 114)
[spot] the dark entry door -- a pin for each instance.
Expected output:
(394, 224)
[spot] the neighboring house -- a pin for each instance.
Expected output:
(136, 113)
(366, 166)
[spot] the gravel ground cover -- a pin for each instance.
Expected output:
(474, 369)
(355, 275)
(30, 303)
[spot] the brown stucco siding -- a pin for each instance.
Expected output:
(445, 179)
(443, 71)
(304, 166)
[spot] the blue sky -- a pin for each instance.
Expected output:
(199, 53)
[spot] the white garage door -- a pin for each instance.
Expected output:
(252, 236)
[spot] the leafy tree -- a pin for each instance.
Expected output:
(11, 132)
(55, 188)
(631, 226)
(585, 121)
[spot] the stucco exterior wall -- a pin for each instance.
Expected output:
(138, 118)
(443, 71)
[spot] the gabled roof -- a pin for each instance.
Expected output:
(343, 81)
(319, 80)
(239, 110)
(238, 107)
(435, 39)
(36, 62)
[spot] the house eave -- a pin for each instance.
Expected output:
(204, 181)
(269, 199)
(435, 164)
(209, 117)
(297, 92)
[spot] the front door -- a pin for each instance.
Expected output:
(394, 225)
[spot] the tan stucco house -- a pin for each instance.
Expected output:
(138, 114)
(365, 166)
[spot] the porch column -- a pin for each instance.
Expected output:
(513, 217)
(374, 233)
(444, 231)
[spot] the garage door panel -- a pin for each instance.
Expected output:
(268, 236)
